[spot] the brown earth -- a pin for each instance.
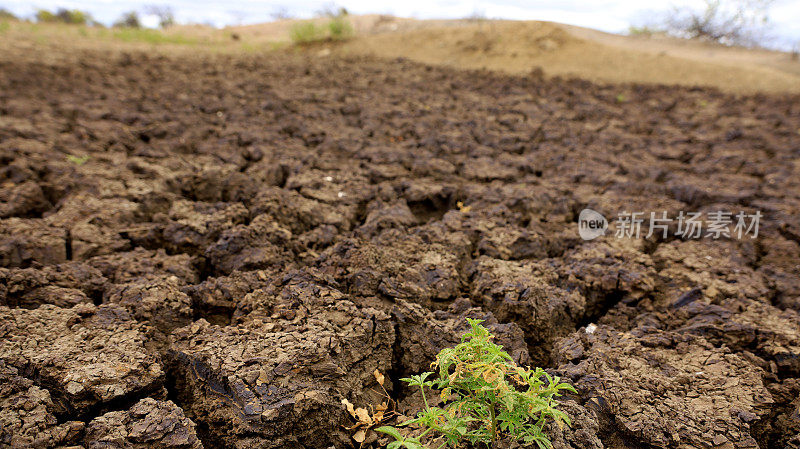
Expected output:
(518, 47)
(217, 249)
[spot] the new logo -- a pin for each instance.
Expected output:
(591, 224)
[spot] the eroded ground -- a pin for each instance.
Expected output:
(216, 250)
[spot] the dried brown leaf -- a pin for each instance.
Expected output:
(363, 416)
(349, 407)
(379, 377)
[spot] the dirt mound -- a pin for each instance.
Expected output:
(558, 50)
(519, 47)
(219, 249)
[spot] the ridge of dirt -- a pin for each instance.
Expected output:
(519, 47)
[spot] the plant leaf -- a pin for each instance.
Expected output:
(391, 431)
(349, 407)
(363, 415)
(379, 377)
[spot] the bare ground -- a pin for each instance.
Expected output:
(218, 249)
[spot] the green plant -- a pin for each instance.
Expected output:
(339, 28)
(62, 15)
(44, 15)
(485, 396)
(78, 160)
(336, 29)
(642, 30)
(306, 32)
(149, 36)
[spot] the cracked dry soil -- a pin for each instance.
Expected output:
(251, 237)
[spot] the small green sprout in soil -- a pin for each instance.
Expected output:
(485, 397)
(78, 160)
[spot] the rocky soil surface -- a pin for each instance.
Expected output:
(216, 250)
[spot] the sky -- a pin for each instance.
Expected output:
(607, 15)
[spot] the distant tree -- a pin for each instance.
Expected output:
(63, 15)
(45, 16)
(733, 22)
(129, 20)
(166, 18)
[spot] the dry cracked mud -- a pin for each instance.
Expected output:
(216, 250)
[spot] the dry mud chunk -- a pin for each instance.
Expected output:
(86, 355)
(221, 295)
(148, 424)
(780, 267)
(26, 199)
(746, 325)
(268, 171)
(301, 214)
(605, 272)
(699, 190)
(24, 242)
(719, 268)
(427, 199)
(195, 225)
(539, 241)
(421, 334)
(664, 389)
(642, 195)
(432, 167)
(525, 293)
(520, 202)
(318, 238)
(341, 187)
(783, 427)
(398, 265)
(95, 223)
(63, 285)
(250, 247)
(141, 264)
(160, 302)
(280, 385)
(215, 184)
(382, 216)
(292, 295)
(488, 169)
(498, 232)
(582, 434)
(27, 419)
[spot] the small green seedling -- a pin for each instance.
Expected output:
(78, 160)
(485, 397)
